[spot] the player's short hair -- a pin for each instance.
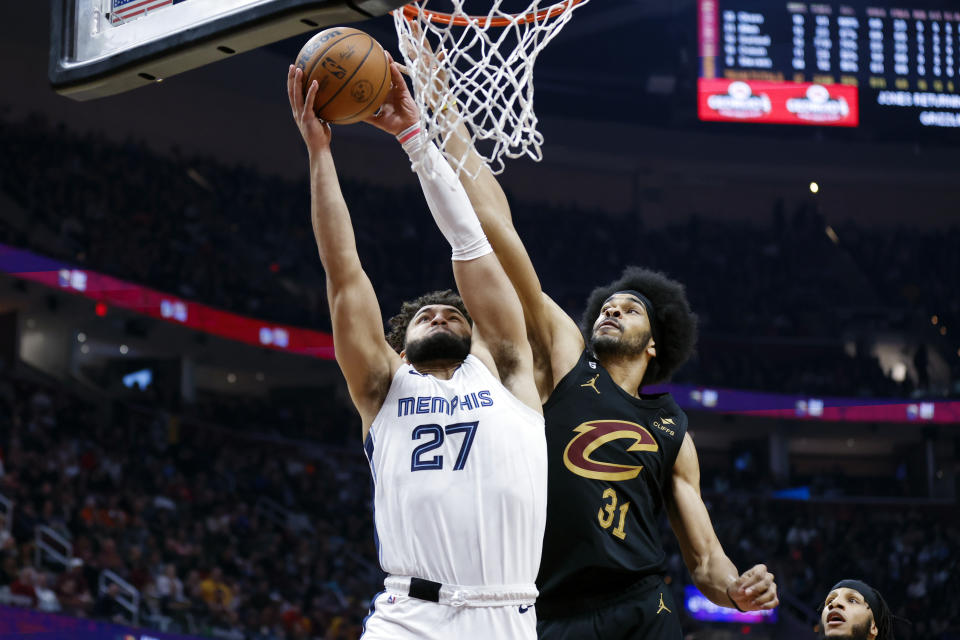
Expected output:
(397, 326)
(676, 323)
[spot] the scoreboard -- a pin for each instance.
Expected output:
(829, 64)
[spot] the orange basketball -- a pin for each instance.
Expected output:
(351, 71)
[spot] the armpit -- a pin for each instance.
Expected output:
(506, 357)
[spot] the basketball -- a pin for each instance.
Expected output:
(351, 71)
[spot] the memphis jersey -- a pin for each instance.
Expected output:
(611, 459)
(460, 479)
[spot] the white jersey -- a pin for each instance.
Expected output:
(460, 479)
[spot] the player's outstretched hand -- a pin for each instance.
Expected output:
(428, 63)
(399, 111)
(754, 590)
(315, 132)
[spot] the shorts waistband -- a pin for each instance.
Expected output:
(570, 607)
(461, 595)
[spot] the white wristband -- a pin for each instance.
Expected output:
(411, 139)
(447, 199)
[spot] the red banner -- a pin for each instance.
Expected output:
(835, 105)
(164, 306)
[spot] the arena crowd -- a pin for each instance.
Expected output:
(234, 238)
(188, 515)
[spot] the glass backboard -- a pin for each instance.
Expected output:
(103, 47)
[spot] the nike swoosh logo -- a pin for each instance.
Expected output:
(524, 609)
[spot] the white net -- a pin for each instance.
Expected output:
(478, 71)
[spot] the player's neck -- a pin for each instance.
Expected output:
(627, 372)
(441, 369)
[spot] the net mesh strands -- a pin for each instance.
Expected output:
(477, 70)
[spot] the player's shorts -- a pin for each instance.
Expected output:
(454, 615)
(646, 611)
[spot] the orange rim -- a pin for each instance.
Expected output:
(412, 12)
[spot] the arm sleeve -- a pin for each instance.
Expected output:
(447, 200)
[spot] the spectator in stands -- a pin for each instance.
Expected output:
(6, 539)
(109, 557)
(46, 597)
(25, 585)
(107, 606)
(277, 577)
(72, 590)
(215, 592)
(168, 588)
(8, 567)
(233, 238)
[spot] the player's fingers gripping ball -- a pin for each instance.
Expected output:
(352, 74)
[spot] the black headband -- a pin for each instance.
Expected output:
(651, 316)
(870, 595)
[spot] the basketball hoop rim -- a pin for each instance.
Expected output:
(412, 12)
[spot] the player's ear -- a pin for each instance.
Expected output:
(874, 631)
(651, 348)
(403, 355)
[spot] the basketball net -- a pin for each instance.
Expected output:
(478, 71)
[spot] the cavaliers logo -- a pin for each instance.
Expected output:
(596, 433)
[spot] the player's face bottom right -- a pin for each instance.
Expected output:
(856, 632)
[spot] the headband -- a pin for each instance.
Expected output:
(651, 316)
(870, 595)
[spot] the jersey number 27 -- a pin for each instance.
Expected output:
(418, 463)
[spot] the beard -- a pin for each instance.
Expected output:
(859, 632)
(440, 346)
(605, 346)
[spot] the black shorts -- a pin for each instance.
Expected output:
(646, 611)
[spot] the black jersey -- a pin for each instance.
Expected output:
(610, 458)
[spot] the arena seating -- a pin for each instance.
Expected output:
(228, 533)
(233, 238)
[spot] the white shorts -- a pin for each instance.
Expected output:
(399, 617)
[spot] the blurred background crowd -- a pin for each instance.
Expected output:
(223, 528)
(792, 288)
(228, 534)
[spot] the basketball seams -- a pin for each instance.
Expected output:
(347, 80)
(383, 81)
(331, 63)
(318, 57)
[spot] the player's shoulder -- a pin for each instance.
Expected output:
(664, 402)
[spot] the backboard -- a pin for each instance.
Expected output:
(103, 47)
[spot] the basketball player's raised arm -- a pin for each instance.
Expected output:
(551, 330)
(555, 339)
(364, 356)
(712, 571)
(485, 289)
